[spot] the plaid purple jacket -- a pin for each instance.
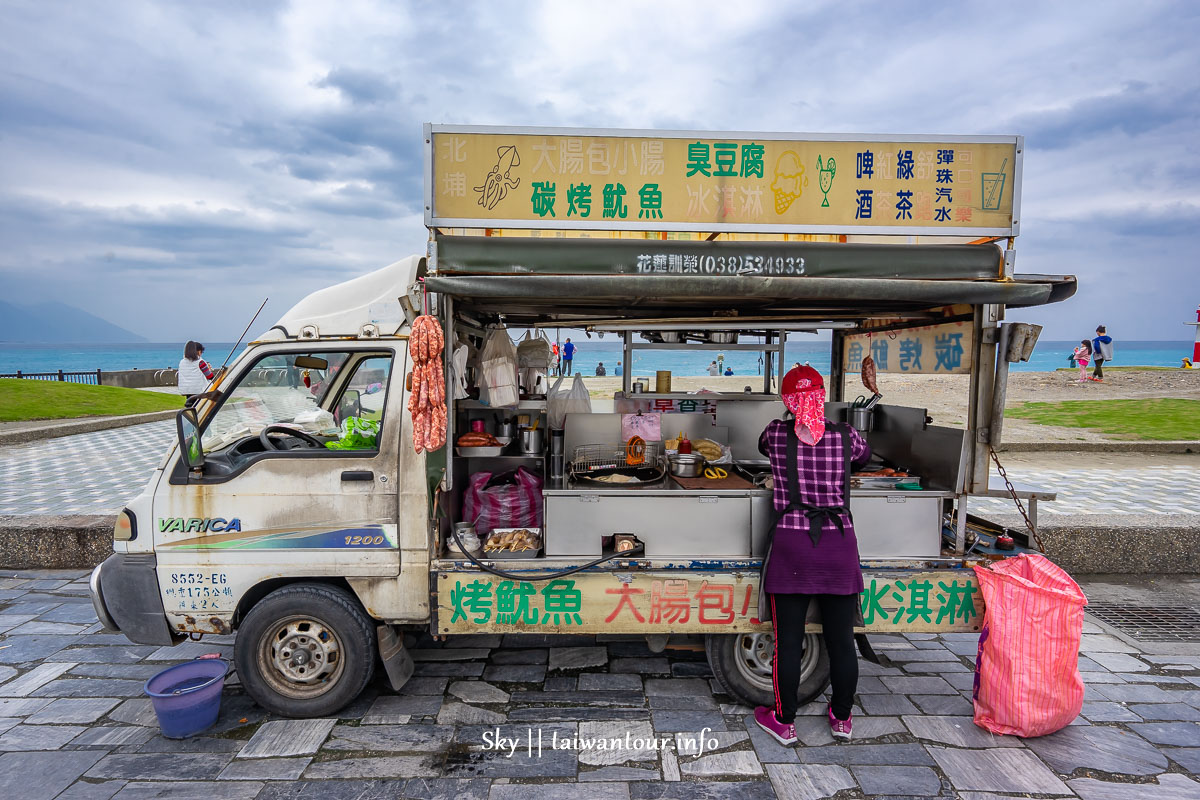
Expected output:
(796, 565)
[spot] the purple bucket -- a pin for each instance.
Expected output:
(187, 697)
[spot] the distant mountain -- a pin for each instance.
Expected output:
(58, 322)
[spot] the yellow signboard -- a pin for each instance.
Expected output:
(686, 181)
(671, 602)
(940, 349)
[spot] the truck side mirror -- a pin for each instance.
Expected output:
(191, 450)
(349, 406)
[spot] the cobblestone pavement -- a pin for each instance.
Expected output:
(74, 724)
(96, 473)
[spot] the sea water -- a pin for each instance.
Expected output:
(1047, 356)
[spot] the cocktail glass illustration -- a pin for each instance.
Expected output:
(827, 171)
(993, 188)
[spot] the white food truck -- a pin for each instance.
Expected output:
(322, 558)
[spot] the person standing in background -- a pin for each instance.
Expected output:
(713, 369)
(194, 372)
(1083, 354)
(568, 355)
(1102, 350)
(554, 362)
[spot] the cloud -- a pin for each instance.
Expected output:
(152, 152)
(1134, 109)
(362, 86)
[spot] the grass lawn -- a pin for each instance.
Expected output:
(1158, 419)
(23, 399)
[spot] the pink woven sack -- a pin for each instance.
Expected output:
(1027, 680)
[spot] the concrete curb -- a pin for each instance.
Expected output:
(67, 542)
(1138, 545)
(54, 430)
(1100, 447)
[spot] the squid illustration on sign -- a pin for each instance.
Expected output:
(789, 181)
(498, 182)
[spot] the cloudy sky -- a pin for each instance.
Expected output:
(167, 165)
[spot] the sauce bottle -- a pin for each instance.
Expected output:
(685, 444)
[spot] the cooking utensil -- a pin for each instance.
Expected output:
(871, 403)
(690, 465)
(723, 337)
(531, 441)
(508, 429)
(670, 337)
(861, 418)
(478, 426)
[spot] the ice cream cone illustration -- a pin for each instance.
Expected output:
(827, 171)
(789, 181)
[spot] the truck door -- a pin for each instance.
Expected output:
(272, 501)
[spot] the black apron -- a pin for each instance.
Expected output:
(816, 519)
(817, 515)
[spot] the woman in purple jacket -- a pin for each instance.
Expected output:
(813, 554)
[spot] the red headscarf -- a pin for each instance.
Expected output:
(804, 395)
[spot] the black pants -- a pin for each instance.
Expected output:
(566, 366)
(1098, 369)
(788, 612)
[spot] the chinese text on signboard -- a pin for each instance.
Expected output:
(672, 181)
(932, 349)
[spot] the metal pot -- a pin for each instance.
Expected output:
(531, 441)
(687, 465)
(723, 337)
(862, 419)
(508, 429)
(671, 337)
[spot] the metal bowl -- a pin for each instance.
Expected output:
(687, 465)
(723, 337)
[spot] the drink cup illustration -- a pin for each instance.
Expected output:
(993, 188)
(827, 171)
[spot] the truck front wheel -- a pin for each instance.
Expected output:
(742, 663)
(305, 650)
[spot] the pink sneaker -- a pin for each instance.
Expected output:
(784, 734)
(840, 728)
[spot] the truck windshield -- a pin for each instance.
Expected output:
(277, 389)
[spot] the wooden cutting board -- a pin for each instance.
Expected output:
(732, 482)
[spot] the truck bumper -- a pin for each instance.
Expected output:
(126, 597)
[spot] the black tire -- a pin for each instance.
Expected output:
(306, 650)
(741, 662)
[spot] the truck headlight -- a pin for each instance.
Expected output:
(125, 529)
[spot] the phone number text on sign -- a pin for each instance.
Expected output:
(679, 264)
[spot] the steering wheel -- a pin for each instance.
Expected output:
(269, 443)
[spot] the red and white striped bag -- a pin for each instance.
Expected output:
(1027, 680)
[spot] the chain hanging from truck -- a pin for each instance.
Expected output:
(1037, 539)
(427, 401)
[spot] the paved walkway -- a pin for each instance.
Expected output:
(74, 724)
(95, 473)
(90, 473)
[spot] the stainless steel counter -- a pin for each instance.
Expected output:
(673, 521)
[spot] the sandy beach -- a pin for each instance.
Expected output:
(945, 396)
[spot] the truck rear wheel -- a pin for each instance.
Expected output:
(742, 663)
(305, 650)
